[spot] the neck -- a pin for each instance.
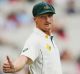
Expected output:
(48, 33)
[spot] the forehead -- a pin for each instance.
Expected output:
(47, 14)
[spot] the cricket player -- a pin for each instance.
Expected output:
(40, 51)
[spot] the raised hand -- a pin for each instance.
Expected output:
(8, 67)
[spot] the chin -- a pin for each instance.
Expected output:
(47, 30)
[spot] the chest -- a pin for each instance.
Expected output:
(48, 49)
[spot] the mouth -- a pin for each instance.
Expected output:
(47, 24)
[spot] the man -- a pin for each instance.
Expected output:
(40, 51)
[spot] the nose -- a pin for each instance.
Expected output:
(47, 19)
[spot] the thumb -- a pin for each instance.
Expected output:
(9, 61)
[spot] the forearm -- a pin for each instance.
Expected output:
(12, 67)
(20, 63)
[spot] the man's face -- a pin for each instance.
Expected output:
(44, 22)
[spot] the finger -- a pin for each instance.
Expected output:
(5, 69)
(6, 66)
(9, 61)
(8, 70)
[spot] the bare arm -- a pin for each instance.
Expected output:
(11, 67)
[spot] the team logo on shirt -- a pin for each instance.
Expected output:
(25, 49)
(48, 47)
(46, 36)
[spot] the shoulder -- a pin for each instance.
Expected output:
(33, 38)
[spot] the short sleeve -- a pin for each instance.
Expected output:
(31, 49)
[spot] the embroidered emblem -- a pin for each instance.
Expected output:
(46, 36)
(46, 7)
(48, 47)
(25, 49)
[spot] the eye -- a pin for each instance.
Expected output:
(43, 17)
(49, 15)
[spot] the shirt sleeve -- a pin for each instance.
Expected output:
(31, 49)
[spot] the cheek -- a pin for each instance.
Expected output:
(42, 20)
(52, 20)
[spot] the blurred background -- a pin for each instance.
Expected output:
(16, 24)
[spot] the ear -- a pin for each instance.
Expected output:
(34, 18)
